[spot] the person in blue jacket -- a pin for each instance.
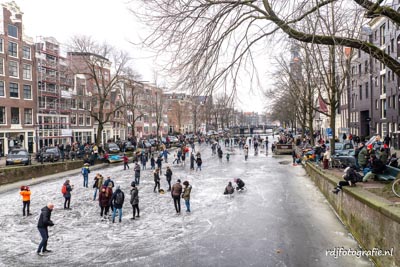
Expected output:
(85, 173)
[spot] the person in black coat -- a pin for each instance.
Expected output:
(43, 224)
(118, 201)
(168, 174)
(240, 184)
(350, 176)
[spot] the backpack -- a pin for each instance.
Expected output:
(119, 198)
(64, 189)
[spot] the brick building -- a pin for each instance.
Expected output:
(17, 82)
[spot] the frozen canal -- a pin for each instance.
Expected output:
(281, 220)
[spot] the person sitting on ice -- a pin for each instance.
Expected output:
(240, 184)
(229, 189)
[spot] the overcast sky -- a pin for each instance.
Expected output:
(107, 20)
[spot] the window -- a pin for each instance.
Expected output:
(27, 72)
(12, 31)
(28, 116)
(394, 102)
(360, 90)
(73, 119)
(14, 90)
(1, 45)
(13, 69)
(2, 92)
(88, 120)
(382, 39)
(26, 52)
(366, 89)
(14, 115)
(376, 104)
(80, 119)
(359, 70)
(2, 115)
(392, 45)
(366, 66)
(27, 91)
(12, 49)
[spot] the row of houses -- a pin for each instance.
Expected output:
(370, 99)
(48, 97)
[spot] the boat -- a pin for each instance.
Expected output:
(115, 158)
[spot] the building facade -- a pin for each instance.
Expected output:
(17, 82)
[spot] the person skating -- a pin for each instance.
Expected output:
(135, 201)
(159, 163)
(137, 173)
(246, 152)
(105, 195)
(186, 195)
(109, 182)
(199, 162)
(192, 160)
(26, 200)
(126, 160)
(152, 163)
(98, 183)
(85, 173)
(43, 224)
(176, 192)
(118, 201)
(168, 174)
(67, 194)
(220, 153)
(156, 179)
(240, 184)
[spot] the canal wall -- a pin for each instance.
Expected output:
(19, 173)
(373, 221)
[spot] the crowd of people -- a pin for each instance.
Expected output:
(111, 197)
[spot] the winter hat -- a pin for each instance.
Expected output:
(133, 184)
(118, 187)
(186, 183)
(369, 146)
(179, 180)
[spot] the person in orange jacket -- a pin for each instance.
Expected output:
(26, 199)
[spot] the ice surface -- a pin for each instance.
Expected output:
(276, 212)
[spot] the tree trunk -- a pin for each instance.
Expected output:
(99, 133)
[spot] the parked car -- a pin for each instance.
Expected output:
(18, 156)
(129, 146)
(152, 141)
(345, 160)
(173, 139)
(112, 148)
(144, 144)
(50, 154)
(343, 148)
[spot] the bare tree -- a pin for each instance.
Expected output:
(131, 91)
(212, 40)
(103, 67)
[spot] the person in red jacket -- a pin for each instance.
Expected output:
(105, 200)
(26, 199)
(126, 160)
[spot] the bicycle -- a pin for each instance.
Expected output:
(396, 187)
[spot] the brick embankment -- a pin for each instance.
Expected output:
(373, 220)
